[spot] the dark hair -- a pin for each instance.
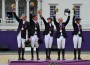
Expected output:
(77, 19)
(34, 15)
(49, 18)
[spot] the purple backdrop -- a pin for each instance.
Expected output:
(9, 38)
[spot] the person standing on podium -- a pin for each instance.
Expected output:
(61, 34)
(34, 34)
(77, 35)
(21, 33)
(48, 33)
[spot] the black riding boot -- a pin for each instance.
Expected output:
(63, 54)
(32, 53)
(74, 54)
(23, 50)
(58, 54)
(37, 52)
(79, 53)
(19, 53)
(46, 54)
(49, 53)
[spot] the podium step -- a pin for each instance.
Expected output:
(50, 62)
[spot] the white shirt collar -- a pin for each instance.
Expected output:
(78, 24)
(60, 23)
(50, 24)
(35, 21)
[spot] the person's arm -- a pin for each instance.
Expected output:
(68, 19)
(29, 29)
(82, 35)
(31, 20)
(54, 19)
(43, 19)
(73, 21)
(16, 17)
(39, 36)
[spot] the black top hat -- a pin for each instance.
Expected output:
(78, 19)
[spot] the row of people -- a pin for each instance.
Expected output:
(34, 35)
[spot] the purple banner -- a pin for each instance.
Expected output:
(9, 38)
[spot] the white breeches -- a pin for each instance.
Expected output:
(20, 41)
(34, 41)
(77, 41)
(48, 41)
(61, 42)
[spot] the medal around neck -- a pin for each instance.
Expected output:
(22, 28)
(60, 30)
(79, 32)
(49, 32)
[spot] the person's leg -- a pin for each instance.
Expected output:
(32, 46)
(37, 52)
(50, 45)
(19, 47)
(75, 41)
(59, 47)
(19, 53)
(23, 48)
(37, 47)
(63, 48)
(46, 39)
(79, 48)
(32, 49)
(59, 50)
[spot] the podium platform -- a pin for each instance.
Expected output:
(50, 62)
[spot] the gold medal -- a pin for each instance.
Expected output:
(22, 28)
(35, 32)
(35, 28)
(79, 32)
(60, 30)
(49, 32)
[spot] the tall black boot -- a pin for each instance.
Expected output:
(46, 54)
(49, 53)
(74, 54)
(23, 50)
(37, 52)
(79, 53)
(63, 54)
(58, 54)
(19, 53)
(32, 53)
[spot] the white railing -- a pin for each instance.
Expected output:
(8, 24)
(9, 21)
(12, 24)
(85, 25)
